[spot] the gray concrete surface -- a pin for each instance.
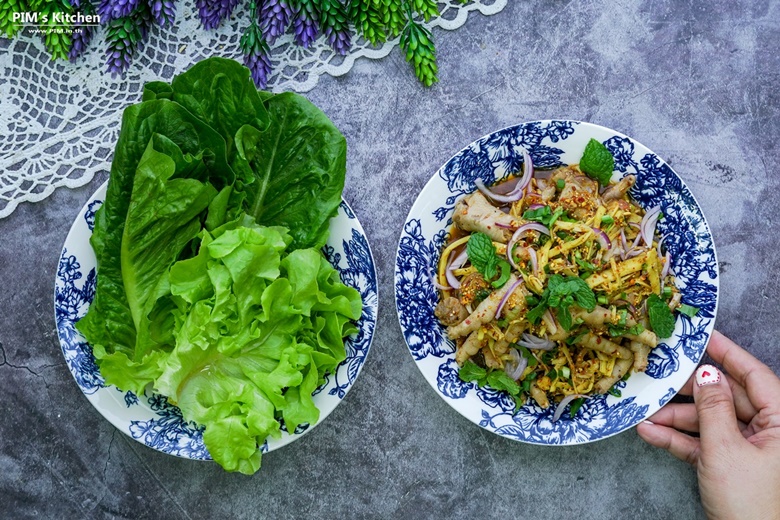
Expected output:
(697, 82)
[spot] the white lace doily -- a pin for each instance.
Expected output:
(59, 120)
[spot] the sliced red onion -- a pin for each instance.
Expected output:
(667, 266)
(531, 226)
(548, 319)
(647, 226)
(509, 197)
(658, 248)
(633, 252)
(564, 403)
(452, 279)
(528, 170)
(543, 174)
(534, 259)
(506, 187)
(503, 226)
(603, 239)
(535, 342)
(535, 206)
(517, 366)
(455, 263)
(459, 260)
(506, 297)
(440, 286)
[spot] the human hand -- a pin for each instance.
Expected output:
(737, 417)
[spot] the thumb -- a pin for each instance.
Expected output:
(718, 426)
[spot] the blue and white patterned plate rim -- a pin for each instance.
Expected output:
(554, 142)
(150, 419)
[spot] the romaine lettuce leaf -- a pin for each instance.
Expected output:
(299, 167)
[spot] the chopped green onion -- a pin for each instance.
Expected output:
(607, 220)
(615, 391)
(565, 373)
(667, 292)
(688, 310)
(603, 300)
(531, 300)
(560, 183)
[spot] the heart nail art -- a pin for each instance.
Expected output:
(707, 375)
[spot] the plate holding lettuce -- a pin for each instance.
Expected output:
(211, 286)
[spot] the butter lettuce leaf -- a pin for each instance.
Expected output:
(256, 329)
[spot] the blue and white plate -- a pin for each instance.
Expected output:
(554, 143)
(150, 419)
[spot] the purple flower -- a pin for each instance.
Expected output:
(113, 9)
(256, 57)
(163, 11)
(340, 41)
(212, 12)
(80, 39)
(274, 18)
(305, 25)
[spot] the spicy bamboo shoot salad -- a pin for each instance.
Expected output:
(554, 284)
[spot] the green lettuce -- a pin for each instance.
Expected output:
(211, 289)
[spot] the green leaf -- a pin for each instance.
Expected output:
(298, 165)
(597, 162)
(499, 380)
(564, 318)
(470, 371)
(661, 318)
(482, 254)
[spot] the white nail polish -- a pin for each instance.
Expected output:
(707, 375)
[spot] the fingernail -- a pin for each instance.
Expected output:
(649, 422)
(707, 375)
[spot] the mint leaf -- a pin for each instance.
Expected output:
(597, 162)
(482, 254)
(661, 318)
(565, 291)
(564, 318)
(470, 371)
(499, 380)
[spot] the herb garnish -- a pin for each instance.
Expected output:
(661, 318)
(544, 215)
(597, 162)
(561, 293)
(484, 258)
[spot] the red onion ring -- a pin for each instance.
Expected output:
(528, 170)
(548, 319)
(647, 226)
(564, 402)
(535, 342)
(603, 239)
(455, 263)
(506, 297)
(534, 259)
(518, 365)
(512, 196)
(531, 226)
(667, 266)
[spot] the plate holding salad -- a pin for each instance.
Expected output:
(216, 299)
(556, 282)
